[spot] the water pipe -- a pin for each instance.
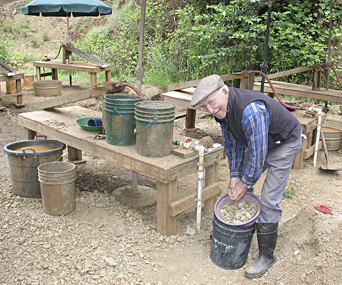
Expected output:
(200, 149)
(124, 83)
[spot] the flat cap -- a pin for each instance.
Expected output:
(206, 86)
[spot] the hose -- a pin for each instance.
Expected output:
(59, 51)
(275, 92)
(335, 74)
(124, 83)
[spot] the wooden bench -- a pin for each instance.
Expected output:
(90, 68)
(165, 170)
(18, 92)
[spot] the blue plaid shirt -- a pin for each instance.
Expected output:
(255, 122)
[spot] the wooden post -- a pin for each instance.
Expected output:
(190, 120)
(93, 79)
(37, 72)
(210, 177)
(317, 79)
(74, 154)
(166, 193)
(28, 134)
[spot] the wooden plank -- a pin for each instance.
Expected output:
(183, 152)
(225, 77)
(297, 90)
(12, 94)
(287, 72)
(189, 201)
(75, 66)
(310, 151)
(17, 76)
(181, 99)
(73, 97)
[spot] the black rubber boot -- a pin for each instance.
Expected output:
(267, 241)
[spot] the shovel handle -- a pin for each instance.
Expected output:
(325, 148)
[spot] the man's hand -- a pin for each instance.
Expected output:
(236, 190)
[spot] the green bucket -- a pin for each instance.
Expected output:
(154, 127)
(119, 119)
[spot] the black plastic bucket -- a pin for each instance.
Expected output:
(230, 244)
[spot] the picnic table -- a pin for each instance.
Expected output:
(60, 124)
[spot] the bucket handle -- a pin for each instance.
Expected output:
(154, 120)
(123, 116)
(28, 148)
(55, 162)
(40, 136)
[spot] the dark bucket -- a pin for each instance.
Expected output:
(24, 157)
(119, 119)
(154, 127)
(230, 244)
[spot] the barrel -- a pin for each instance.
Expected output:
(24, 157)
(332, 131)
(119, 119)
(154, 127)
(47, 88)
(57, 185)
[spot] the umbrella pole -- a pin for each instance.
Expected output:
(139, 72)
(68, 28)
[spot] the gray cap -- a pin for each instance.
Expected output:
(206, 86)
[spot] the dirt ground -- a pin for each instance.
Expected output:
(107, 240)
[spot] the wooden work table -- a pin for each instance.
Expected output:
(91, 68)
(60, 124)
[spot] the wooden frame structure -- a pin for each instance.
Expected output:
(18, 92)
(54, 65)
(165, 170)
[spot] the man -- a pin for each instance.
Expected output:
(258, 133)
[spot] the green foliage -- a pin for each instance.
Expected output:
(17, 59)
(189, 40)
(289, 191)
(3, 51)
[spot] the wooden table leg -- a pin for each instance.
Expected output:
(166, 193)
(108, 76)
(54, 73)
(210, 177)
(93, 79)
(74, 154)
(299, 159)
(38, 73)
(29, 134)
(190, 120)
(19, 90)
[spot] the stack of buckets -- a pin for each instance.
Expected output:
(148, 124)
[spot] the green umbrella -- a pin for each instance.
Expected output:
(66, 8)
